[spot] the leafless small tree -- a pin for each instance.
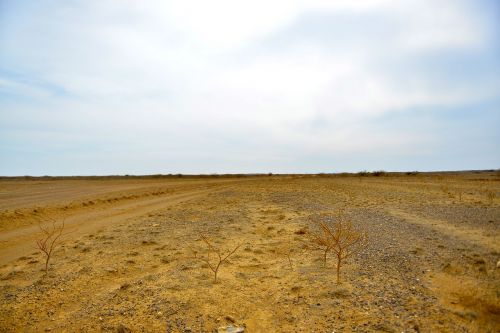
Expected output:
(338, 235)
(286, 250)
(347, 241)
(219, 257)
(50, 240)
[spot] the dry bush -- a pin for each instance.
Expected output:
(379, 173)
(219, 257)
(337, 234)
(287, 249)
(347, 241)
(50, 240)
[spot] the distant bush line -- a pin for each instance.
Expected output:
(377, 173)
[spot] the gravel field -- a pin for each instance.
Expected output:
(431, 262)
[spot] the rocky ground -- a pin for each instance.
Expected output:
(430, 264)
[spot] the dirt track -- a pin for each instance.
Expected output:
(18, 242)
(76, 202)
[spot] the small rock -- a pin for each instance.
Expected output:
(230, 319)
(498, 264)
(230, 329)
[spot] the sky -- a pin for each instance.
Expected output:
(99, 87)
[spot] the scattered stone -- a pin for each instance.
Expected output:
(231, 329)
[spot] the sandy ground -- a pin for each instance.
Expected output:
(130, 256)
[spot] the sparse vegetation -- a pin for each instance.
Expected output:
(347, 241)
(50, 240)
(220, 258)
(433, 260)
(287, 249)
(338, 235)
(379, 173)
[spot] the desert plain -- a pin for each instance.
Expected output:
(131, 255)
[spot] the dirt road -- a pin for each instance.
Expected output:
(86, 206)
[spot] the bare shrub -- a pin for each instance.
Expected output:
(50, 240)
(337, 234)
(287, 250)
(348, 240)
(219, 257)
(379, 173)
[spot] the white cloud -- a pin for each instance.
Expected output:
(261, 72)
(20, 88)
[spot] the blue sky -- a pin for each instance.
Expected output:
(142, 87)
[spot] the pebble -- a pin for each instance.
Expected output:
(230, 329)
